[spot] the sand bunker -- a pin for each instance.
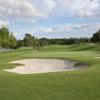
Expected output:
(31, 66)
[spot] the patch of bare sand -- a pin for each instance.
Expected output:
(32, 66)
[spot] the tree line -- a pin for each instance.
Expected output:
(8, 40)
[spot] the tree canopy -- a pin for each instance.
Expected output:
(96, 37)
(7, 40)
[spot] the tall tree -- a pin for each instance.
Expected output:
(31, 41)
(28, 40)
(7, 40)
(96, 37)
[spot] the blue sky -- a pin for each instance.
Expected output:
(51, 18)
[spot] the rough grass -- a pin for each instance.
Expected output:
(72, 85)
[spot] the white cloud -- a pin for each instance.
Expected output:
(17, 9)
(79, 8)
(45, 8)
(86, 8)
(26, 8)
(3, 23)
(70, 28)
(44, 29)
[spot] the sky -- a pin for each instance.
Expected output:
(51, 18)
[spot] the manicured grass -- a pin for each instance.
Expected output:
(72, 85)
(77, 47)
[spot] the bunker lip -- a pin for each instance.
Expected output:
(33, 66)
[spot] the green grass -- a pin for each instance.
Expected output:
(81, 47)
(73, 85)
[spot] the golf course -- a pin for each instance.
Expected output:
(49, 49)
(83, 84)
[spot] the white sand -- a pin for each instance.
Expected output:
(31, 66)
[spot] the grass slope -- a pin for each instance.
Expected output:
(74, 85)
(81, 47)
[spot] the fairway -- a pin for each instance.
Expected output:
(68, 85)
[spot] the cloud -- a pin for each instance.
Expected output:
(70, 28)
(46, 8)
(79, 8)
(3, 23)
(18, 9)
(26, 8)
(86, 8)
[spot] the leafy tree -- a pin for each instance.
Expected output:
(13, 41)
(96, 37)
(7, 40)
(20, 43)
(44, 42)
(28, 40)
(31, 41)
(36, 44)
